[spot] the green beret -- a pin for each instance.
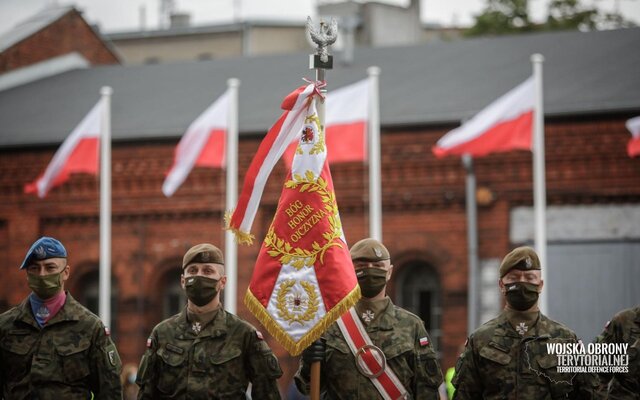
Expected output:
(369, 250)
(203, 253)
(522, 258)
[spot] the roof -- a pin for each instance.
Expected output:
(429, 84)
(203, 29)
(32, 25)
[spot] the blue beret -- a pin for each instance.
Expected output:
(44, 248)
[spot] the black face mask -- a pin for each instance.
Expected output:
(371, 281)
(201, 290)
(521, 296)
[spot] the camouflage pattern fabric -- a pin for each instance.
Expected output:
(624, 328)
(218, 363)
(70, 358)
(499, 363)
(397, 333)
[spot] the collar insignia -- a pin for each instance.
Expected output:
(522, 328)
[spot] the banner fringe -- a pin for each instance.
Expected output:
(281, 336)
(241, 236)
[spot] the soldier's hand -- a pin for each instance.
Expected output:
(315, 352)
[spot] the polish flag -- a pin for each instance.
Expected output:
(347, 113)
(202, 145)
(506, 124)
(78, 154)
(633, 147)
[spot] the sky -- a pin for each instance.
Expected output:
(124, 15)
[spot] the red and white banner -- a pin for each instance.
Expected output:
(633, 147)
(303, 279)
(347, 116)
(506, 124)
(77, 154)
(202, 145)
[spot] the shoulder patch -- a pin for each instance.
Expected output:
(424, 341)
(149, 343)
(112, 357)
(607, 324)
(107, 332)
(259, 335)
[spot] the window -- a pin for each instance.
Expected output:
(418, 290)
(88, 294)
(175, 299)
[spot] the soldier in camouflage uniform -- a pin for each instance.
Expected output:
(506, 358)
(205, 352)
(51, 347)
(400, 335)
(624, 328)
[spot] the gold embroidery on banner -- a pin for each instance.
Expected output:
(291, 304)
(296, 256)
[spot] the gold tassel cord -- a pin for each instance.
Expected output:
(241, 236)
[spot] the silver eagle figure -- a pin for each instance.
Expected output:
(324, 36)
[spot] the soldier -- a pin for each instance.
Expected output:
(396, 359)
(51, 347)
(506, 358)
(205, 352)
(624, 328)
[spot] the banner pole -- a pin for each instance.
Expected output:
(320, 61)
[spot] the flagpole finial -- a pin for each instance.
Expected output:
(537, 58)
(233, 82)
(373, 71)
(106, 91)
(322, 37)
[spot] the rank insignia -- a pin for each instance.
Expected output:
(196, 327)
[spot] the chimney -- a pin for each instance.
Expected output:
(180, 20)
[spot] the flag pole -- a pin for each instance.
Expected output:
(231, 248)
(105, 207)
(320, 61)
(472, 239)
(375, 189)
(539, 181)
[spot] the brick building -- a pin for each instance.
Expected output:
(591, 88)
(53, 32)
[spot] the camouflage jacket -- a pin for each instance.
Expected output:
(624, 328)
(397, 333)
(71, 357)
(217, 363)
(499, 363)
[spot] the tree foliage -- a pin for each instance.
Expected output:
(501, 17)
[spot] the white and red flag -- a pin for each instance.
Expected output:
(347, 116)
(202, 145)
(303, 279)
(633, 147)
(77, 154)
(506, 124)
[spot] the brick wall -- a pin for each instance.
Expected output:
(423, 214)
(70, 33)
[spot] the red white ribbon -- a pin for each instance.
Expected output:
(375, 366)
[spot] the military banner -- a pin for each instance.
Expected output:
(303, 279)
